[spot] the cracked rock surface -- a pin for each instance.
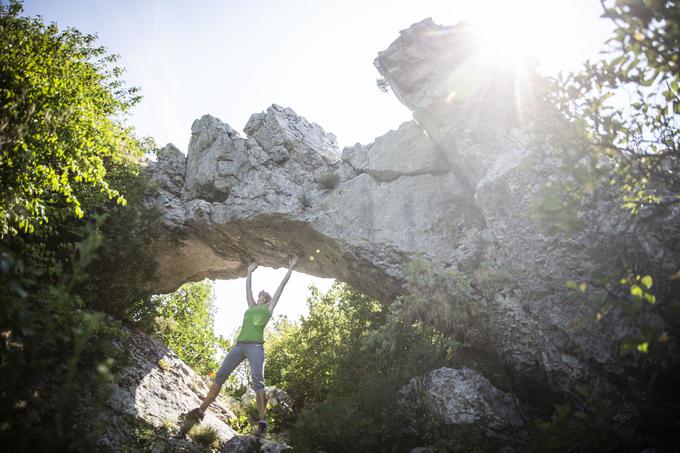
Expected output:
(157, 387)
(462, 397)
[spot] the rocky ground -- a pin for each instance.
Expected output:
(150, 395)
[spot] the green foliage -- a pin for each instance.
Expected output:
(50, 345)
(205, 435)
(440, 303)
(60, 117)
(304, 200)
(120, 272)
(144, 435)
(613, 129)
(279, 415)
(588, 420)
(185, 323)
(242, 423)
(344, 364)
(615, 123)
(328, 181)
(589, 428)
(490, 280)
(336, 324)
(70, 243)
(631, 299)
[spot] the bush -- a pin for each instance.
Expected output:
(61, 109)
(328, 181)
(185, 323)
(66, 160)
(490, 280)
(205, 435)
(51, 342)
(343, 364)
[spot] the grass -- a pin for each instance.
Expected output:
(205, 435)
(328, 180)
(163, 365)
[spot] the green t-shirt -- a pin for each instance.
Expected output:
(254, 320)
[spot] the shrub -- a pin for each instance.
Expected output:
(343, 364)
(490, 280)
(61, 120)
(304, 200)
(205, 435)
(184, 322)
(328, 181)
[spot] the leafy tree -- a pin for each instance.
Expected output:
(344, 365)
(61, 110)
(617, 119)
(614, 127)
(51, 343)
(65, 161)
(185, 323)
(306, 358)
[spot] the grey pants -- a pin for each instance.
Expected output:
(254, 352)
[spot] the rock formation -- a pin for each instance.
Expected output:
(456, 186)
(154, 388)
(460, 398)
(149, 396)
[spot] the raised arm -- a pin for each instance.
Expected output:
(275, 299)
(249, 285)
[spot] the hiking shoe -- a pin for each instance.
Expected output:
(261, 427)
(196, 414)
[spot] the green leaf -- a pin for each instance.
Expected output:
(647, 281)
(636, 291)
(643, 347)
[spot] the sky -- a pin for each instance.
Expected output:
(234, 58)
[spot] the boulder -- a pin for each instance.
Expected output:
(152, 391)
(249, 444)
(278, 399)
(460, 398)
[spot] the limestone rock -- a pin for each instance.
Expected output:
(461, 397)
(172, 172)
(418, 155)
(471, 104)
(239, 203)
(248, 444)
(156, 387)
(216, 153)
(276, 398)
(280, 131)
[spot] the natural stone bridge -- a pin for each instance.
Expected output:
(456, 186)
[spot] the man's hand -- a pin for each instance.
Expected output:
(292, 261)
(252, 267)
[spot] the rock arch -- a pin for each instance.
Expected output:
(236, 199)
(455, 185)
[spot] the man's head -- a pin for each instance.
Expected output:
(263, 298)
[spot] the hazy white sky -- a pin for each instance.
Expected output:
(233, 58)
